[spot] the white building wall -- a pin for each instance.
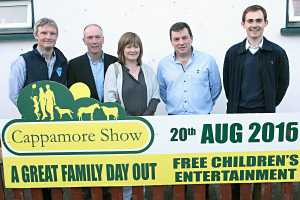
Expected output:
(216, 25)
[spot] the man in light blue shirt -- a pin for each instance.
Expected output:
(97, 67)
(189, 80)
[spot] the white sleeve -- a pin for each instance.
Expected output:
(110, 85)
(16, 78)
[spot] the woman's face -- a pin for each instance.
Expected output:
(131, 52)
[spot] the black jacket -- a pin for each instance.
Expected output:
(274, 70)
(80, 71)
(37, 70)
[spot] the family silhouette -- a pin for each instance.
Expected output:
(43, 104)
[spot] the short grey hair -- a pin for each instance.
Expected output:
(90, 25)
(42, 22)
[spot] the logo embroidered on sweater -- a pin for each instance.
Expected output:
(59, 71)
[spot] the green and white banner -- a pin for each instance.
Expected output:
(66, 139)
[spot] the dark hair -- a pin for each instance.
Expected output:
(131, 39)
(178, 27)
(254, 8)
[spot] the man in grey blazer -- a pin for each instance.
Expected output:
(91, 67)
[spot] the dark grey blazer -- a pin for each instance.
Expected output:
(79, 70)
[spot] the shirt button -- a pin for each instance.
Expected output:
(184, 91)
(184, 81)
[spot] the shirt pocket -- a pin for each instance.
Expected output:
(199, 76)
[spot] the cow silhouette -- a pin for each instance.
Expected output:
(110, 111)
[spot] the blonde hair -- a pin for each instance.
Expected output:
(42, 22)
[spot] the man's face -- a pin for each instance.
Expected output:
(46, 37)
(181, 41)
(93, 39)
(254, 24)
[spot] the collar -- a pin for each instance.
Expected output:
(174, 55)
(266, 45)
(39, 51)
(97, 61)
(248, 45)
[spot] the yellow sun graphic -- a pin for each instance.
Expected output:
(80, 90)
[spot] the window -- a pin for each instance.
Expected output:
(16, 18)
(292, 18)
(294, 12)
